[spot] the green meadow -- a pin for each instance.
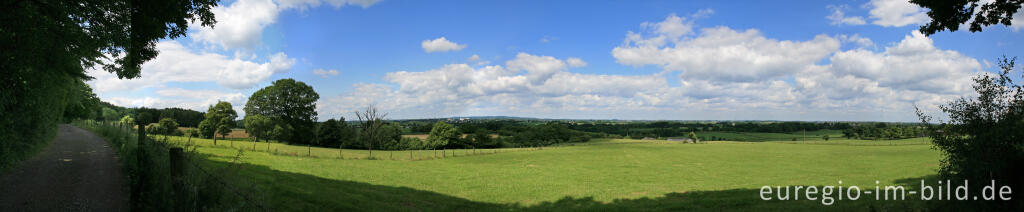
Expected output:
(602, 174)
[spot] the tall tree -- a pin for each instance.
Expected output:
(48, 45)
(372, 121)
(289, 103)
(982, 141)
(441, 135)
(949, 15)
(220, 118)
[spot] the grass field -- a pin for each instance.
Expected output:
(755, 136)
(600, 175)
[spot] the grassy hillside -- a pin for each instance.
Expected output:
(604, 175)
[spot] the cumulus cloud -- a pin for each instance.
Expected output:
(177, 63)
(913, 64)
(896, 13)
(197, 100)
(241, 24)
(724, 54)
(532, 82)
(838, 16)
(576, 62)
(856, 39)
(325, 73)
(473, 58)
(441, 45)
(759, 77)
(538, 68)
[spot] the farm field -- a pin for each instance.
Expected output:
(599, 175)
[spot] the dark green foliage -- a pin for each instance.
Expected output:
(258, 126)
(220, 118)
(548, 134)
(167, 126)
(334, 133)
(878, 131)
(442, 135)
(677, 129)
(949, 15)
(290, 104)
(47, 46)
(82, 103)
(984, 140)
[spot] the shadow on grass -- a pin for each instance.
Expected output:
(287, 191)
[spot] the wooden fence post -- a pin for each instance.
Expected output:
(177, 178)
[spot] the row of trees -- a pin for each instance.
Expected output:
(677, 129)
(885, 131)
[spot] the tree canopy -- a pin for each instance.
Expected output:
(949, 15)
(220, 118)
(441, 135)
(289, 103)
(982, 139)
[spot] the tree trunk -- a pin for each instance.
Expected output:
(254, 140)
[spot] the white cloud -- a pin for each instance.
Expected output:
(325, 73)
(441, 45)
(1018, 21)
(197, 100)
(703, 13)
(473, 58)
(178, 64)
(240, 25)
(838, 17)
(576, 62)
(538, 68)
(724, 54)
(856, 39)
(913, 64)
(760, 78)
(896, 13)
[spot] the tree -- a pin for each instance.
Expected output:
(48, 45)
(371, 121)
(287, 102)
(692, 136)
(82, 103)
(127, 120)
(482, 138)
(258, 126)
(441, 135)
(982, 141)
(329, 133)
(825, 137)
(220, 118)
(167, 126)
(949, 15)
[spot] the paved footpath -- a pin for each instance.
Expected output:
(78, 171)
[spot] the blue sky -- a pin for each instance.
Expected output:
(687, 60)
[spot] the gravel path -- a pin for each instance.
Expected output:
(78, 171)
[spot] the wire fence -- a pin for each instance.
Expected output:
(165, 178)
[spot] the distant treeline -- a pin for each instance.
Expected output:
(485, 134)
(113, 113)
(885, 131)
(677, 129)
